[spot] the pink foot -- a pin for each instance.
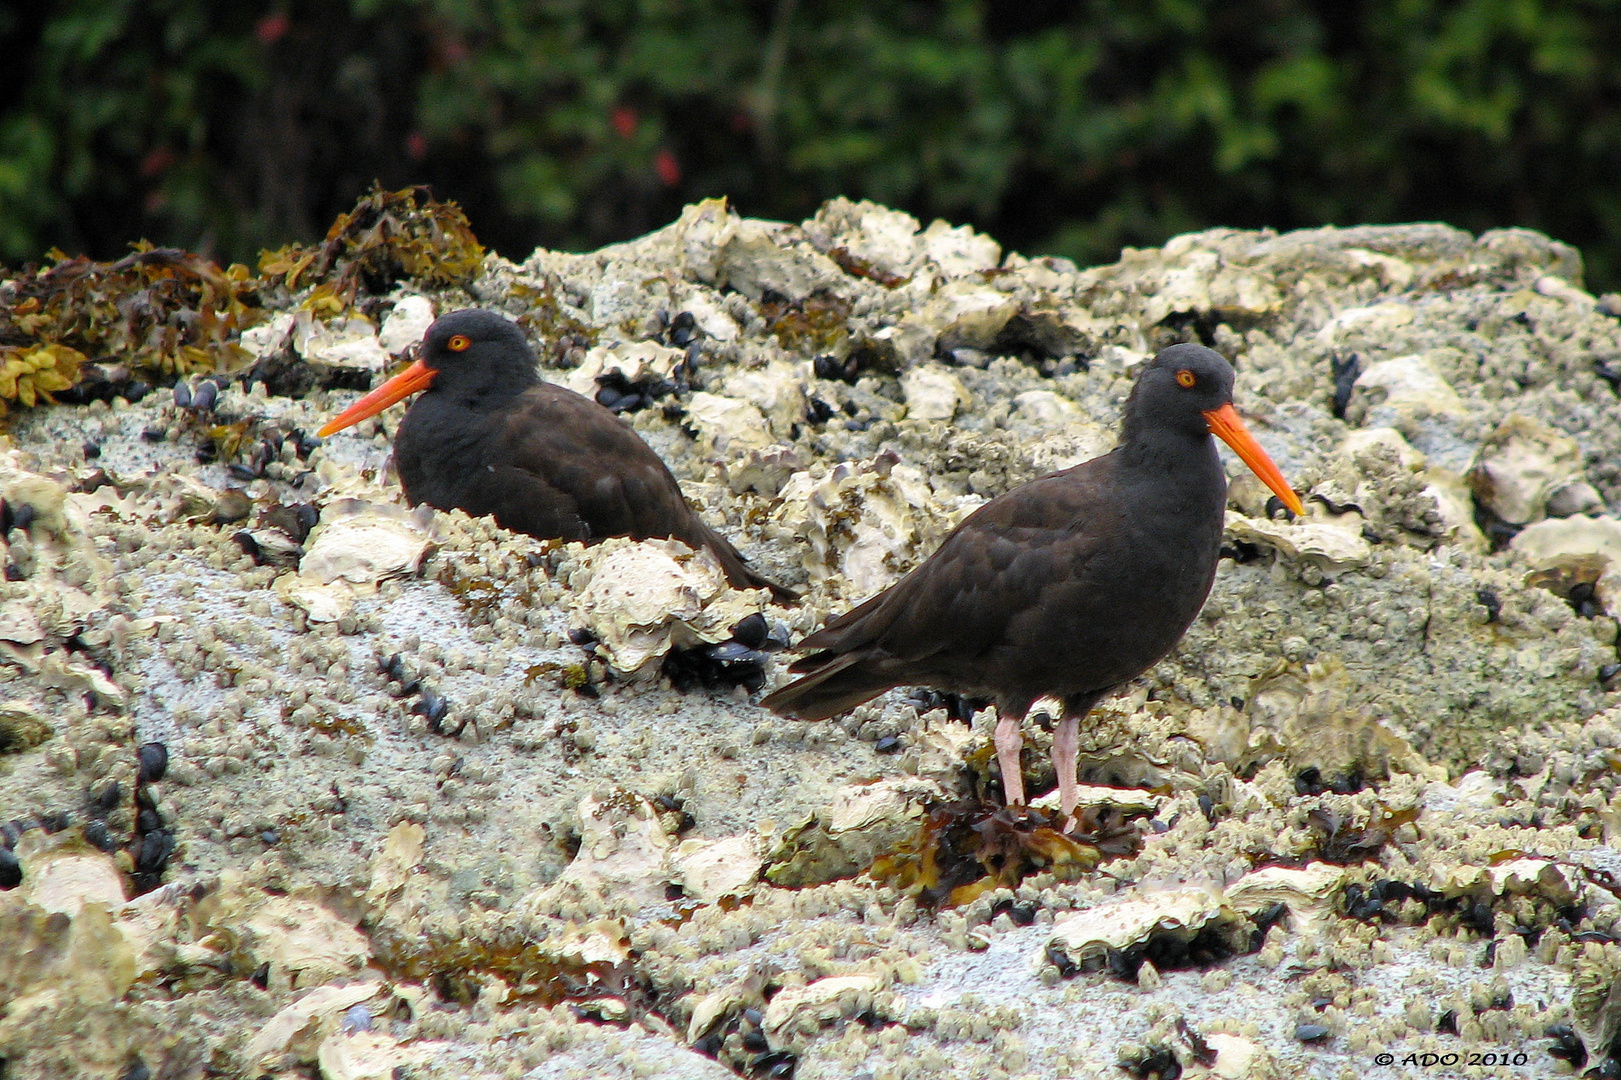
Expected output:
(1009, 741)
(1066, 746)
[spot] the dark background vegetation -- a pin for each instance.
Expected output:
(1060, 128)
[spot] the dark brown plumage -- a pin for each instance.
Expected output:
(488, 436)
(1068, 586)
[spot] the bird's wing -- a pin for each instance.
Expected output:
(561, 458)
(1001, 565)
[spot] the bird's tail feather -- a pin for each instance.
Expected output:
(740, 574)
(839, 686)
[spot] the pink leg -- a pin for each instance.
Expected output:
(1066, 746)
(1009, 741)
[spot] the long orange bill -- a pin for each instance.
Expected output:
(414, 378)
(1226, 426)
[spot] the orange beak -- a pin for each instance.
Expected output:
(416, 377)
(1226, 426)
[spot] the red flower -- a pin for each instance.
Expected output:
(624, 120)
(272, 27)
(156, 161)
(668, 168)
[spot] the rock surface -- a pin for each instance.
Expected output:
(441, 801)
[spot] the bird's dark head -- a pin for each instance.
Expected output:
(473, 345)
(1189, 389)
(1179, 387)
(476, 356)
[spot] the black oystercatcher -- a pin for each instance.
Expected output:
(1069, 586)
(489, 436)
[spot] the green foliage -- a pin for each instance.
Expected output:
(1069, 128)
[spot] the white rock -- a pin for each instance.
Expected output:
(958, 250)
(884, 239)
(269, 336)
(624, 857)
(1408, 383)
(1087, 936)
(1520, 464)
(346, 342)
(1126, 800)
(297, 1029)
(728, 426)
(321, 602)
(709, 316)
(905, 344)
(802, 1010)
(643, 598)
(1570, 542)
(366, 542)
(1046, 408)
(1237, 290)
(1238, 1058)
(1558, 882)
(1372, 322)
(61, 670)
(1359, 441)
(1576, 497)
(405, 324)
(1394, 271)
(1560, 289)
(1328, 547)
(933, 393)
(861, 806)
(395, 863)
(861, 524)
(711, 869)
(300, 938)
(1548, 540)
(1452, 498)
(64, 878)
(1184, 283)
(777, 390)
(762, 469)
(634, 360)
(1476, 795)
(366, 1055)
(762, 256)
(1408, 393)
(965, 313)
(1309, 892)
(19, 624)
(701, 233)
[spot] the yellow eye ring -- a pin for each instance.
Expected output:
(1186, 378)
(458, 343)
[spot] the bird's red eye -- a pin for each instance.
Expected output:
(1183, 378)
(458, 343)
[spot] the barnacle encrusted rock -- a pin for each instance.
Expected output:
(623, 861)
(863, 523)
(641, 599)
(1521, 465)
(425, 821)
(1330, 547)
(1576, 550)
(1178, 915)
(632, 361)
(363, 544)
